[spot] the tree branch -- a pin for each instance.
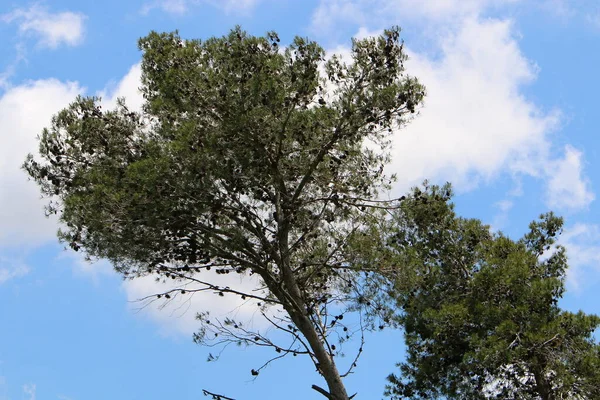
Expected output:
(322, 391)
(216, 396)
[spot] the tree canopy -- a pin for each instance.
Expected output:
(481, 311)
(247, 158)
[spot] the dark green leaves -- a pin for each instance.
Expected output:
(481, 314)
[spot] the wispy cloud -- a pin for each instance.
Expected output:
(51, 30)
(501, 218)
(11, 68)
(329, 13)
(11, 269)
(582, 242)
(593, 19)
(180, 7)
(30, 390)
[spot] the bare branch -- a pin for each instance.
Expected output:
(216, 396)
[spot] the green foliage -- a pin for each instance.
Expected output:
(246, 158)
(481, 314)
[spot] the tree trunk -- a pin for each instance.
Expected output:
(543, 387)
(296, 309)
(327, 367)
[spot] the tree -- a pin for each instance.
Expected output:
(481, 314)
(247, 158)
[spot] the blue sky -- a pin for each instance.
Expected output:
(511, 119)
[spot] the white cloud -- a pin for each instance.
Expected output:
(582, 242)
(567, 187)
(11, 68)
(475, 123)
(334, 11)
(30, 390)
(93, 270)
(128, 87)
(504, 205)
(178, 314)
(24, 111)
(180, 7)
(11, 269)
(50, 29)
(363, 12)
(501, 218)
(559, 8)
(593, 19)
(364, 33)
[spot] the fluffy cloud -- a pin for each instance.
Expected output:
(475, 123)
(127, 88)
(50, 29)
(24, 111)
(182, 6)
(567, 187)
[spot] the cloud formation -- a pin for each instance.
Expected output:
(128, 88)
(582, 242)
(24, 111)
(476, 123)
(50, 29)
(180, 7)
(11, 269)
(178, 314)
(329, 13)
(30, 390)
(568, 188)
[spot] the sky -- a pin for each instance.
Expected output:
(510, 118)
